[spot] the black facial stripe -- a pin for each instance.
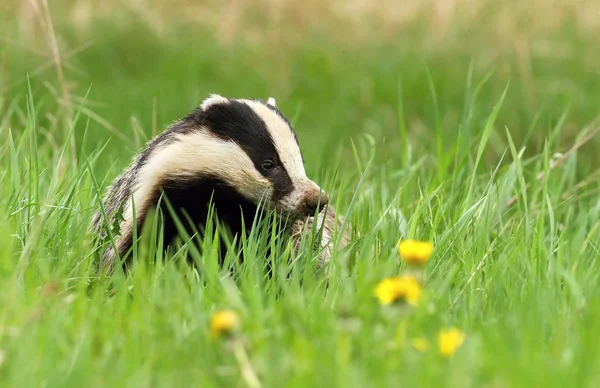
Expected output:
(237, 121)
(282, 184)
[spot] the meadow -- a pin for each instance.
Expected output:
(468, 124)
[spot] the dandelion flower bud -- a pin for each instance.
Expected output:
(224, 322)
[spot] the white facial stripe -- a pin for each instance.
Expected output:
(289, 154)
(213, 99)
(285, 143)
(193, 154)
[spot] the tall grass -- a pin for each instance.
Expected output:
(437, 145)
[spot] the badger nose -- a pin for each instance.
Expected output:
(314, 203)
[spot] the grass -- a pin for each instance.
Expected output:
(435, 143)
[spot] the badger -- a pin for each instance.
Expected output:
(230, 155)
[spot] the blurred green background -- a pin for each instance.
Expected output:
(334, 67)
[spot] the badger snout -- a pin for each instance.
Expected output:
(314, 201)
(306, 199)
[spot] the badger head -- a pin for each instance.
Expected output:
(235, 151)
(254, 149)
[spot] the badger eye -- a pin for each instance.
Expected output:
(268, 165)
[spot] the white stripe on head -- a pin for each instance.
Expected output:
(283, 137)
(213, 99)
(193, 155)
(289, 153)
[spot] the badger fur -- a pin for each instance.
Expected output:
(327, 223)
(232, 153)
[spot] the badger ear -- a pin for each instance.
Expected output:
(213, 99)
(271, 101)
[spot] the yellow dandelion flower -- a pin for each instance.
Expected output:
(415, 252)
(386, 291)
(404, 288)
(450, 340)
(224, 322)
(421, 344)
